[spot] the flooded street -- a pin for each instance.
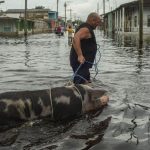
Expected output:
(42, 61)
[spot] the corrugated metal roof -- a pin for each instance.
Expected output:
(145, 2)
(28, 10)
(5, 17)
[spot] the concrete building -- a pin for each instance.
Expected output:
(31, 13)
(125, 18)
(10, 26)
(38, 16)
(38, 21)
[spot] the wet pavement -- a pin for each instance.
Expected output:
(42, 61)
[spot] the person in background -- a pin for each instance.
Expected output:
(84, 48)
(59, 30)
(62, 30)
(70, 34)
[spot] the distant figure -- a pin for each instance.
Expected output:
(84, 49)
(58, 30)
(70, 34)
(62, 30)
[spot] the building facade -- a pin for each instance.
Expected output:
(125, 19)
(12, 22)
(10, 26)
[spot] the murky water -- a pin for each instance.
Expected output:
(42, 61)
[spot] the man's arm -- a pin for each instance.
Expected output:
(83, 33)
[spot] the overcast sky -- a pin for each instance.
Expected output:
(80, 8)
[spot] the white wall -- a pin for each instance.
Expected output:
(16, 15)
(135, 29)
(146, 12)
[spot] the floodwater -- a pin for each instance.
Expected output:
(42, 61)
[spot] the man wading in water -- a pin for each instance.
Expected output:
(84, 49)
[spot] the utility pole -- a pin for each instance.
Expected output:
(78, 20)
(104, 15)
(57, 9)
(140, 23)
(65, 5)
(1, 10)
(25, 19)
(98, 8)
(104, 7)
(70, 14)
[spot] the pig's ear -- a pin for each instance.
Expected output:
(96, 93)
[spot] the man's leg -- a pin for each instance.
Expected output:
(82, 76)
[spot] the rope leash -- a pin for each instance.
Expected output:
(50, 95)
(51, 101)
(80, 96)
(78, 92)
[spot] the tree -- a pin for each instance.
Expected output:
(39, 7)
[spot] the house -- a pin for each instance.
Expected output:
(12, 22)
(38, 16)
(11, 26)
(31, 13)
(125, 18)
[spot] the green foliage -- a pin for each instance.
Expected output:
(39, 7)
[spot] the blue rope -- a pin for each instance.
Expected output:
(75, 74)
(95, 64)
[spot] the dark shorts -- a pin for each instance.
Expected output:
(82, 75)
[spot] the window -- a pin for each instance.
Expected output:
(148, 20)
(135, 21)
(7, 29)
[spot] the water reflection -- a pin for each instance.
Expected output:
(95, 135)
(139, 62)
(129, 40)
(131, 46)
(27, 52)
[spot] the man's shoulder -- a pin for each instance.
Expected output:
(84, 26)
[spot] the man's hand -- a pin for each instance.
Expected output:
(81, 59)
